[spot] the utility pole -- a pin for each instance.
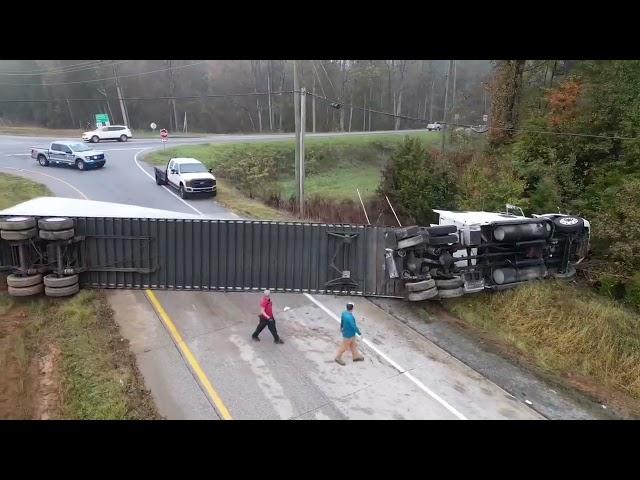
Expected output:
(172, 101)
(303, 123)
(313, 105)
(269, 72)
(444, 114)
(125, 118)
(296, 111)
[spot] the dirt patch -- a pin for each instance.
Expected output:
(48, 400)
(15, 394)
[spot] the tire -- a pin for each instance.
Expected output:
(214, 193)
(158, 180)
(95, 139)
(54, 281)
(449, 283)
(17, 235)
(568, 224)
(441, 230)
(420, 286)
(26, 291)
(444, 240)
(17, 223)
(424, 295)
(452, 293)
(182, 192)
(406, 232)
(80, 165)
(18, 281)
(100, 165)
(411, 241)
(569, 274)
(55, 224)
(62, 291)
(123, 138)
(42, 160)
(57, 235)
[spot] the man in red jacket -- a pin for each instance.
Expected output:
(266, 319)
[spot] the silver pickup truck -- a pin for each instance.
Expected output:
(71, 153)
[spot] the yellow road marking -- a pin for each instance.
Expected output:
(188, 355)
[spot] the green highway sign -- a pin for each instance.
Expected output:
(102, 119)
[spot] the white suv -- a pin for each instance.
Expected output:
(112, 132)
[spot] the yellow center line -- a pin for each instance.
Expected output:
(188, 356)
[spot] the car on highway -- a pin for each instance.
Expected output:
(120, 133)
(434, 126)
(187, 176)
(72, 153)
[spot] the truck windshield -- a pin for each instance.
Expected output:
(79, 147)
(192, 168)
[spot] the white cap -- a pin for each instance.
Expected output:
(267, 292)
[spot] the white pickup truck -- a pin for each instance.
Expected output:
(434, 126)
(70, 153)
(187, 175)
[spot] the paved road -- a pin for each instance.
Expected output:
(196, 354)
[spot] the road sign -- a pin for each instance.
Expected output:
(164, 140)
(164, 134)
(153, 126)
(102, 119)
(485, 118)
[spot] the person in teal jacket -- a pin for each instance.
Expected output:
(349, 329)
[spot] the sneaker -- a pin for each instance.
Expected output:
(255, 339)
(279, 341)
(340, 361)
(358, 359)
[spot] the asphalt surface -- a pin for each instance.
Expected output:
(404, 376)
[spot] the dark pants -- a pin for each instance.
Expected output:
(265, 322)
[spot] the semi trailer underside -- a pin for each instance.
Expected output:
(58, 246)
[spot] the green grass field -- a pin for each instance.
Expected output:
(14, 190)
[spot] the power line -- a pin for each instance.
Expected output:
(56, 69)
(517, 130)
(97, 79)
(188, 97)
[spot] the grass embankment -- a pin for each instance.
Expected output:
(335, 166)
(14, 190)
(567, 331)
(64, 358)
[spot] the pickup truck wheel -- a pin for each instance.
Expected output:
(214, 193)
(123, 138)
(95, 139)
(183, 193)
(79, 164)
(42, 160)
(158, 180)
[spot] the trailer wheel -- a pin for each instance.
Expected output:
(57, 235)
(441, 230)
(449, 283)
(26, 291)
(20, 281)
(424, 295)
(62, 291)
(569, 274)
(406, 232)
(411, 241)
(420, 286)
(54, 281)
(17, 235)
(55, 224)
(17, 223)
(452, 293)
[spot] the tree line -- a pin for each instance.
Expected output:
(75, 90)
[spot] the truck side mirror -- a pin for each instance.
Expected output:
(211, 170)
(174, 171)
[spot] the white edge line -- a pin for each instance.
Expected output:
(402, 371)
(135, 159)
(50, 176)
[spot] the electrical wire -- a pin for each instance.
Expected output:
(99, 79)
(61, 69)
(188, 97)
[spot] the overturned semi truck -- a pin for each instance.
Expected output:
(468, 252)
(57, 246)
